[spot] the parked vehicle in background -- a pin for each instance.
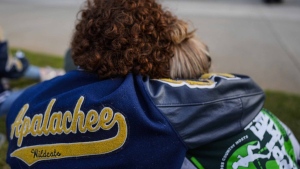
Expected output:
(273, 1)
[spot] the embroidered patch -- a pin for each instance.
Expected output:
(57, 123)
(189, 83)
(207, 81)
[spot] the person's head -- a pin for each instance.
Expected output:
(117, 37)
(191, 57)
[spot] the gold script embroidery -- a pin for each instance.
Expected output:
(56, 123)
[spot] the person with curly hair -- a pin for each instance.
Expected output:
(114, 38)
(140, 98)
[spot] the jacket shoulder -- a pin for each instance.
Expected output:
(215, 106)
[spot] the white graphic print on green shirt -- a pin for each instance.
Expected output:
(264, 144)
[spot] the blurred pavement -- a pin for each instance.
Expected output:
(244, 36)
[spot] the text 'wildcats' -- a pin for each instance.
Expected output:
(58, 123)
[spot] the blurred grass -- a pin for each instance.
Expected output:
(283, 105)
(286, 107)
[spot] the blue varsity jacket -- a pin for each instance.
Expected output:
(79, 121)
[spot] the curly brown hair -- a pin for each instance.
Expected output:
(116, 37)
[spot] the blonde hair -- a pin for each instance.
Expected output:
(191, 57)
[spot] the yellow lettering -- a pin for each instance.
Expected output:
(55, 123)
(199, 83)
(36, 125)
(67, 118)
(24, 130)
(106, 116)
(15, 127)
(78, 117)
(79, 149)
(92, 119)
(209, 75)
(46, 117)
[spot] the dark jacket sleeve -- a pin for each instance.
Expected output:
(211, 108)
(11, 67)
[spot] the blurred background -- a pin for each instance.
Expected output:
(249, 37)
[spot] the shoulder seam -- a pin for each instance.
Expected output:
(242, 109)
(208, 102)
(156, 107)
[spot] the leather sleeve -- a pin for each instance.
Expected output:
(213, 107)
